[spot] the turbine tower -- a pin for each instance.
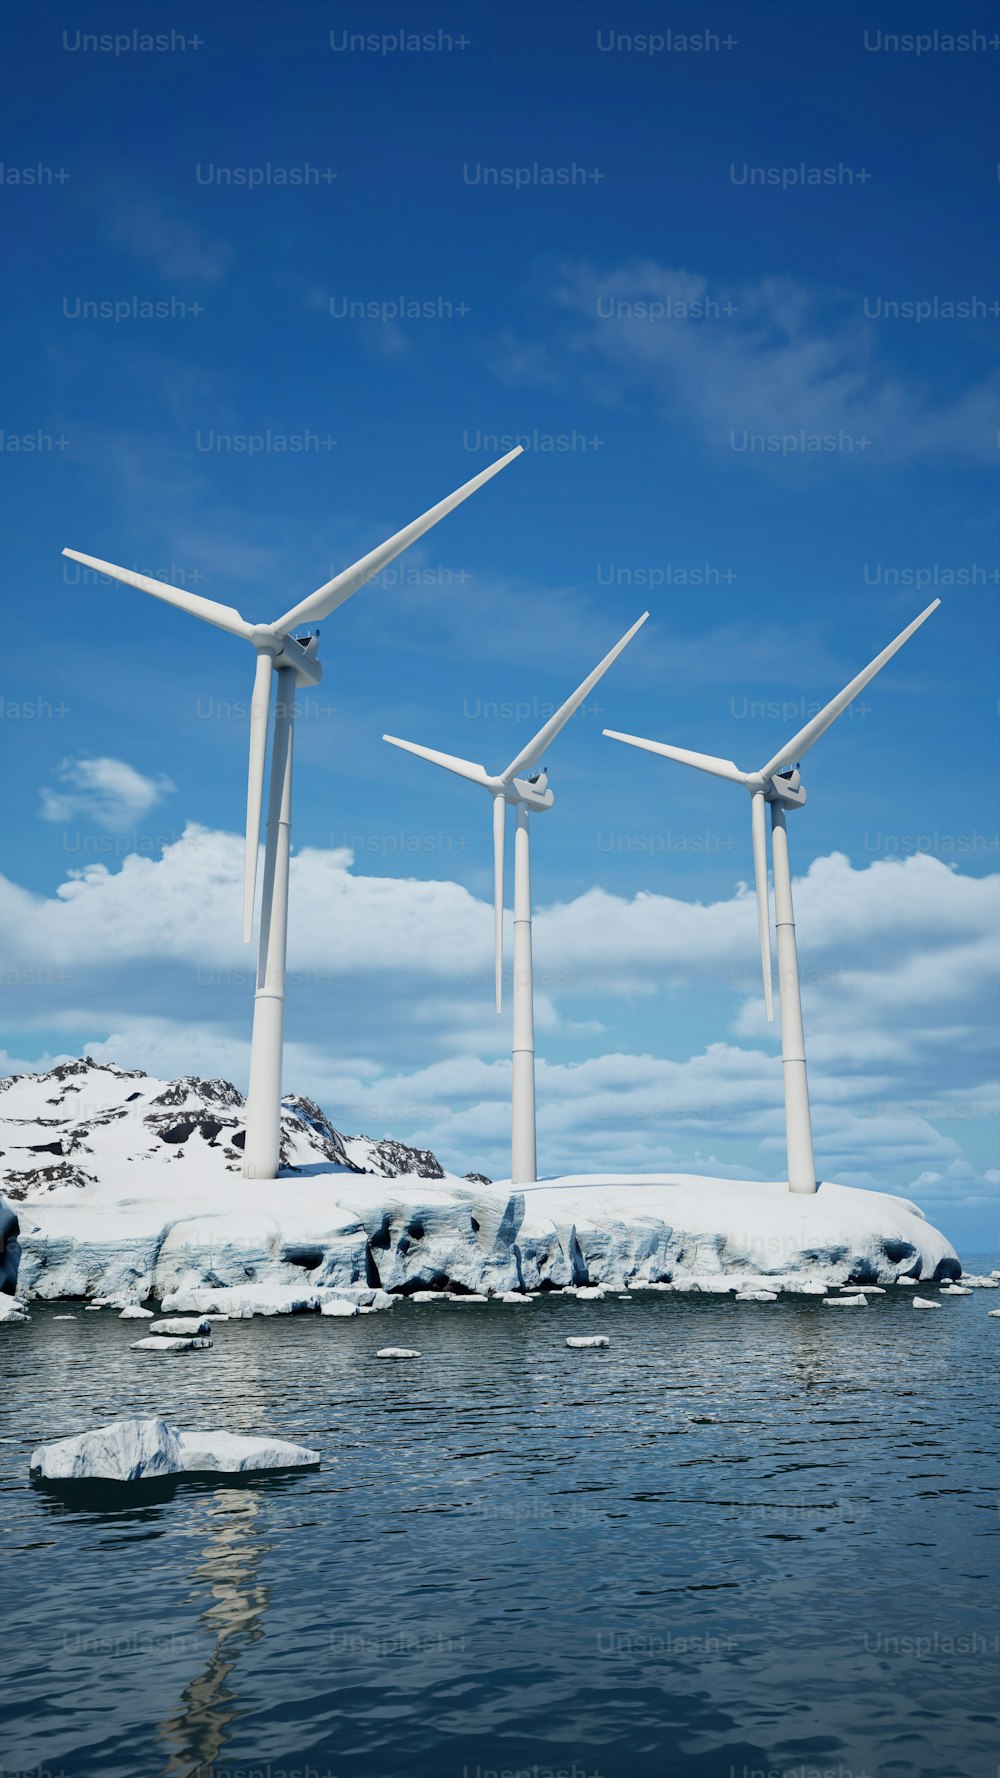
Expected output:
(293, 662)
(779, 784)
(528, 795)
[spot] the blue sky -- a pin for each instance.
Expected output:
(655, 311)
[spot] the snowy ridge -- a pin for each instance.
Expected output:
(157, 1207)
(83, 1123)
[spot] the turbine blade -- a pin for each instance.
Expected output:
(758, 816)
(532, 753)
(326, 598)
(705, 762)
(463, 768)
(818, 725)
(260, 705)
(224, 617)
(499, 828)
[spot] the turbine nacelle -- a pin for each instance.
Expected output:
(531, 793)
(301, 655)
(786, 788)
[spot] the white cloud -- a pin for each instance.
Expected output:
(787, 359)
(107, 792)
(390, 1021)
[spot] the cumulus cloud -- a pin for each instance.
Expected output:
(391, 1027)
(107, 792)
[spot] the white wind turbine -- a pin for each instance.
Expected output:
(294, 661)
(528, 795)
(779, 784)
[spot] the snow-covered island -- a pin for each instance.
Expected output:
(129, 1188)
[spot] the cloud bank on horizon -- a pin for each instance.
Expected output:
(391, 1027)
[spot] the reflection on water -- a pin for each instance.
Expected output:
(233, 1616)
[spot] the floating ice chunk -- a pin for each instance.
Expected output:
(470, 1297)
(180, 1326)
(126, 1451)
(591, 1293)
(163, 1343)
(235, 1453)
(589, 1340)
(338, 1306)
(956, 1290)
(132, 1312)
(866, 1289)
(994, 1314)
(397, 1352)
(908, 1281)
(624, 1299)
(141, 1450)
(12, 1310)
(515, 1296)
(64, 1317)
(432, 1296)
(924, 1302)
(808, 1287)
(756, 1296)
(846, 1302)
(973, 1281)
(241, 1300)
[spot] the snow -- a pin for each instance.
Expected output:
(141, 1450)
(589, 1340)
(158, 1208)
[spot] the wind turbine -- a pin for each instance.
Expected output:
(779, 783)
(528, 795)
(293, 660)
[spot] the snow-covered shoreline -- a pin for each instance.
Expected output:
(341, 1235)
(165, 1214)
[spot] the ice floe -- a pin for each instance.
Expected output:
(164, 1343)
(144, 1449)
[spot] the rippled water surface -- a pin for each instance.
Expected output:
(742, 1538)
